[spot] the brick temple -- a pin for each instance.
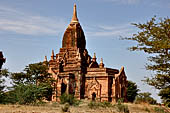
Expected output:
(2, 59)
(79, 74)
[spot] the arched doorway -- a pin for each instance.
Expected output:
(63, 88)
(93, 96)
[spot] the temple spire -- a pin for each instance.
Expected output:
(101, 65)
(74, 18)
(101, 61)
(94, 58)
(52, 55)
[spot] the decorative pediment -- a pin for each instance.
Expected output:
(94, 65)
(94, 84)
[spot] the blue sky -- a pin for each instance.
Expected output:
(30, 29)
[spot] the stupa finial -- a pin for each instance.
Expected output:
(101, 65)
(94, 58)
(74, 18)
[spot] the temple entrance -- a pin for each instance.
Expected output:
(72, 84)
(122, 92)
(93, 96)
(63, 88)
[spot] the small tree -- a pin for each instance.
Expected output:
(132, 91)
(30, 86)
(145, 98)
(32, 74)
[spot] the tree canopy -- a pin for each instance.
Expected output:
(154, 38)
(32, 74)
(30, 86)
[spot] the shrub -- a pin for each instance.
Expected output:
(121, 107)
(106, 104)
(39, 103)
(120, 101)
(25, 94)
(65, 108)
(66, 98)
(146, 109)
(145, 98)
(94, 104)
(159, 110)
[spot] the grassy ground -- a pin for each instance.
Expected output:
(82, 108)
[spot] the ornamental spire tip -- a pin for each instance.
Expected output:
(74, 18)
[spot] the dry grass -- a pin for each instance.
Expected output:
(29, 109)
(82, 108)
(146, 108)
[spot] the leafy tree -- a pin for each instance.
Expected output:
(32, 74)
(32, 85)
(145, 98)
(132, 91)
(154, 39)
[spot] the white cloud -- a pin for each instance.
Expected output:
(111, 31)
(19, 22)
(12, 20)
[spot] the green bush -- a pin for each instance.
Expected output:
(145, 98)
(25, 94)
(66, 98)
(121, 107)
(167, 103)
(65, 108)
(106, 104)
(146, 109)
(94, 104)
(120, 101)
(159, 110)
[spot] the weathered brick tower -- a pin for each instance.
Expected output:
(77, 73)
